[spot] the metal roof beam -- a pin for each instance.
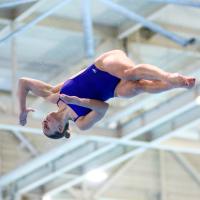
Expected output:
(127, 28)
(120, 159)
(163, 112)
(192, 3)
(21, 17)
(114, 177)
(168, 46)
(110, 147)
(56, 166)
(135, 143)
(35, 21)
(26, 143)
(151, 25)
(194, 174)
(136, 133)
(66, 168)
(10, 123)
(14, 3)
(67, 24)
(40, 161)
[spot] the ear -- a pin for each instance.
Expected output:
(60, 128)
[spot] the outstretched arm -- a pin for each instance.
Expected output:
(99, 109)
(37, 87)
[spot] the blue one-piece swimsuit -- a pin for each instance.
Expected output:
(92, 83)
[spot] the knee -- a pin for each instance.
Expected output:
(130, 74)
(140, 85)
(130, 89)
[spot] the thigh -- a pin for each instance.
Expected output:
(127, 89)
(115, 63)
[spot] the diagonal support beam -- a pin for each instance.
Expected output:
(39, 161)
(195, 175)
(151, 25)
(22, 16)
(114, 177)
(192, 3)
(103, 151)
(35, 21)
(135, 143)
(126, 30)
(125, 138)
(14, 3)
(26, 143)
(118, 160)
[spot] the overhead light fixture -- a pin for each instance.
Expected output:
(46, 197)
(197, 100)
(96, 176)
(113, 125)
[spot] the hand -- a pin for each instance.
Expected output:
(23, 116)
(67, 99)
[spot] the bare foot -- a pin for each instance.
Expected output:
(178, 80)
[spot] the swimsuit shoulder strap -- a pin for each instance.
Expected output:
(64, 102)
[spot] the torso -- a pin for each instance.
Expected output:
(92, 83)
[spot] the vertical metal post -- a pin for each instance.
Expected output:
(88, 28)
(162, 175)
(1, 195)
(14, 69)
(18, 197)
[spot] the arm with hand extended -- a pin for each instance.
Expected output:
(98, 108)
(93, 104)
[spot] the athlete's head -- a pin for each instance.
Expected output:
(55, 127)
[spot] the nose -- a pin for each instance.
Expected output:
(48, 118)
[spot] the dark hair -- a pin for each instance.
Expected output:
(58, 135)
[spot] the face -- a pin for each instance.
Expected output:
(51, 124)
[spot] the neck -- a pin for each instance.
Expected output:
(63, 113)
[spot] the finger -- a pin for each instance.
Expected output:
(64, 98)
(31, 110)
(62, 95)
(23, 123)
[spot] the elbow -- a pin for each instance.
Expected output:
(22, 80)
(22, 84)
(82, 127)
